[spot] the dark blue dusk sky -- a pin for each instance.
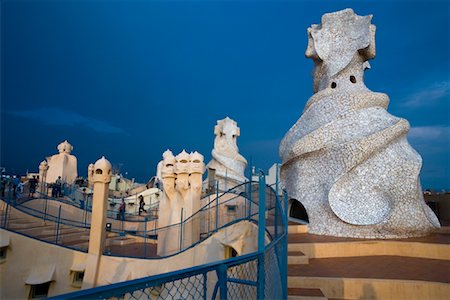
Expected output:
(129, 80)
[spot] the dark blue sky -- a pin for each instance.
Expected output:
(130, 79)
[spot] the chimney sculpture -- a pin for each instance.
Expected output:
(347, 160)
(182, 189)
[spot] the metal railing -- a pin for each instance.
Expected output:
(258, 275)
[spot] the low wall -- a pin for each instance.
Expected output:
(355, 288)
(370, 248)
(26, 255)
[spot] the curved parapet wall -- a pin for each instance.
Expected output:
(241, 236)
(347, 160)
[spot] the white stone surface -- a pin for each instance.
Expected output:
(347, 159)
(43, 168)
(97, 233)
(242, 236)
(226, 160)
(182, 189)
(90, 175)
(62, 164)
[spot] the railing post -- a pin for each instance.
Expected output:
(57, 225)
(122, 222)
(250, 189)
(8, 199)
(181, 229)
(276, 217)
(84, 208)
(145, 237)
(45, 206)
(244, 211)
(217, 204)
(85, 211)
(285, 214)
(222, 278)
(261, 235)
(285, 246)
(276, 178)
(209, 214)
(205, 285)
(250, 199)
(262, 213)
(277, 201)
(6, 215)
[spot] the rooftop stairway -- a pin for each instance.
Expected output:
(325, 267)
(62, 234)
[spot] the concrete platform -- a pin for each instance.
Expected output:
(435, 246)
(347, 268)
(122, 241)
(134, 250)
(297, 257)
(379, 267)
(305, 294)
(297, 228)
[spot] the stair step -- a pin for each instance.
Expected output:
(24, 225)
(295, 253)
(35, 229)
(306, 298)
(83, 240)
(304, 294)
(295, 247)
(74, 236)
(297, 258)
(82, 244)
(62, 230)
(13, 218)
(299, 228)
(120, 241)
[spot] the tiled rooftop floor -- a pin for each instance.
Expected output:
(134, 250)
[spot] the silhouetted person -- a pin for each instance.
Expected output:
(2, 187)
(58, 184)
(15, 183)
(121, 214)
(141, 204)
(32, 186)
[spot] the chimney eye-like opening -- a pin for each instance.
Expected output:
(99, 171)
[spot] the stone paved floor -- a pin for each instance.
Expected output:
(134, 250)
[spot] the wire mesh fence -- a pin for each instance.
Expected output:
(241, 281)
(256, 275)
